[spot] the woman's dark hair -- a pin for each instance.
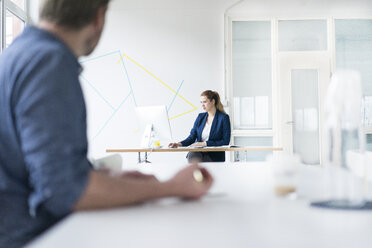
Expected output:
(213, 95)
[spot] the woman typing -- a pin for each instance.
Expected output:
(211, 128)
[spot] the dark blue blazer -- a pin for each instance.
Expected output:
(219, 135)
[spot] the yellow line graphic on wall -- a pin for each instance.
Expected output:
(194, 108)
(182, 114)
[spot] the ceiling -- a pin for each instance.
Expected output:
(171, 4)
(226, 4)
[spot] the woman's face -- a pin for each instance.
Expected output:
(207, 105)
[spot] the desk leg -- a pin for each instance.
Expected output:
(140, 161)
(146, 161)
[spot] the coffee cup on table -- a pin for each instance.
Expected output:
(285, 173)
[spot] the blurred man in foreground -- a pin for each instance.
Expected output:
(44, 171)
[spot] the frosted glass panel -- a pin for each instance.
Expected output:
(309, 35)
(305, 114)
(252, 141)
(369, 142)
(367, 111)
(251, 63)
(354, 51)
(252, 112)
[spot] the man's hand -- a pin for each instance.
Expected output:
(105, 190)
(128, 174)
(185, 185)
(136, 175)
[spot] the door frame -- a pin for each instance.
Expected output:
(319, 60)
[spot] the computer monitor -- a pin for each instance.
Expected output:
(154, 125)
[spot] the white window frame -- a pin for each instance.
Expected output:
(15, 10)
(273, 132)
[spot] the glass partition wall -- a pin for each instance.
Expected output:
(252, 86)
(353, 49)
(261, 53)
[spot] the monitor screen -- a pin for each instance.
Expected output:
(157, 117)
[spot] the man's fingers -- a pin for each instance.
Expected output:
(208, 179)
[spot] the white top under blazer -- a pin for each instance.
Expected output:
(206, 131)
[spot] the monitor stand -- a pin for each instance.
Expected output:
(146, 142)
(147, 135)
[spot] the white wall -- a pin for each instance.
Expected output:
(175, 44)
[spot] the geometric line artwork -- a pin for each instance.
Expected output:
(130, 84)
(131, 93)
(97, 92)
(113, 114)
(115, 110)
(174, 98)
(159, 80)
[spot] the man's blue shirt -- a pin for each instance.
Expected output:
(43, 144)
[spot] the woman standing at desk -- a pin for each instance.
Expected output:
(211, 128)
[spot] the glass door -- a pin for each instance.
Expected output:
(304, 78)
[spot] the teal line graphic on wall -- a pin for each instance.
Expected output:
(109, 119)
(115, 110)
(174, 98)
(126, 72)
(106, 101)
(97, 92)
(99, 57)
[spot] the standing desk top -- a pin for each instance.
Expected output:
(204, 149)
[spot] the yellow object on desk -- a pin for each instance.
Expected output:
(156, 143)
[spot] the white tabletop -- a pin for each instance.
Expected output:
(242, 212)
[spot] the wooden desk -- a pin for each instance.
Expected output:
(244, 214)
(190, 149)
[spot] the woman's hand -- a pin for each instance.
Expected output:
(203, 144)
(174, 145)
